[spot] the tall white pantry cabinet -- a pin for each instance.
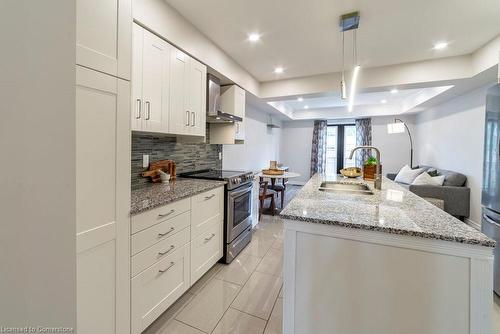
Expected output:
(103, 66)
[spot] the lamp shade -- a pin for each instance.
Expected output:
(398, 127)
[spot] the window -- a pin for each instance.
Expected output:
(340, 140)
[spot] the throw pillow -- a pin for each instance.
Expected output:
(425, 179)
(432, 172)
(407, 175)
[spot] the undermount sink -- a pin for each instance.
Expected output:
(349, 188)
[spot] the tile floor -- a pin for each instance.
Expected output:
(244, 297)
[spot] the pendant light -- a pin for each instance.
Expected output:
(343, 89)
(349, 21)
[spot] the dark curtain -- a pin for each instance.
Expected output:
(363, 137)
(318, 151)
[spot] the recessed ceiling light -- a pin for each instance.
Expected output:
(278, 70)
(394, 91)
(253, 37)
(306, 107)
(300, 99)
(383, 101)
(440, 45)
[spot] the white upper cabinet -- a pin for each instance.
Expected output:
(168, 88)
(197, 97)
(180, 117)
(150, 82)
(233, 102)
(103, 35)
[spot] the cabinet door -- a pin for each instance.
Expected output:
(239, 102)
(137, 113)
(155, 83)
(197, 95)
(103, 29)
(102, 202)
(180, 116)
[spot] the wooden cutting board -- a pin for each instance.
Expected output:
(167, 166)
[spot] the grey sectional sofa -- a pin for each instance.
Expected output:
(454, 193)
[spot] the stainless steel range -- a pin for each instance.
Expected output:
(237, 207)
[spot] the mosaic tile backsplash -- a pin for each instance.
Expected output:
(188, 157)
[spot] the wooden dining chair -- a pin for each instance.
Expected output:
(265, 193)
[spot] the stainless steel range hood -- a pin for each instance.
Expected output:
(214, 112)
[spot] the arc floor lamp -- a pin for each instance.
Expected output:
(399, 126)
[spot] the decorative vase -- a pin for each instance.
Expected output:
(369, 171)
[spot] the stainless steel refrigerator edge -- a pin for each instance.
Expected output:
(490, 224)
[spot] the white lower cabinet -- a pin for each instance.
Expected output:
(206, 250)
(171, 248)
(158, 287)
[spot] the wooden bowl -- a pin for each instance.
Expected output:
(273, 172)
(351, 172)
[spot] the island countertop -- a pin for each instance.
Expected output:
(392, 210)
(158, 194)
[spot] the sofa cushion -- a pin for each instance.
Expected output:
(407, 175)
(426, 179)
(451, 178)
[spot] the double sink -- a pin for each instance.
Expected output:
(346, 188)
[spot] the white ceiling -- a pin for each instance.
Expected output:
(303, 36)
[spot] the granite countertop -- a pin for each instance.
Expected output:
(158, 194)
(392, 209)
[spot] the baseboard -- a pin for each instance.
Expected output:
(296, 183)
(473, 224)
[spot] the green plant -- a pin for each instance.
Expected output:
(371, 161)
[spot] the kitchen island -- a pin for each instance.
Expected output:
(381, 262)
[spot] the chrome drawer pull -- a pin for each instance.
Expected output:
(161, 271)
(210, 237)
(209, 197)
(164, 234)
(167, 251)
(161, 215)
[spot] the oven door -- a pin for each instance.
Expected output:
(239, 210)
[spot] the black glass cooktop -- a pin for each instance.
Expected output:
(214, 174)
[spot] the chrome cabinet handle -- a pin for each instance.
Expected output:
(161, 215)
(194, 118)
(210, 237)
(187, 118)
(138, 105)
(161, 271)
(167, 251)
(148, 109)
(168, 232)
(209, 197)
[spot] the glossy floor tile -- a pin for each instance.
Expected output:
(236, 322)
(275, 323)
(163, 321)
(272, 263)
(496, 314)
(259, 246)
(239, 270)
(258, 295)
(206, 278)
(177, 327)
(206, 309)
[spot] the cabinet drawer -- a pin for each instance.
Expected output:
(158, 287)
(206, 250)
(157, 215)
(148, 237)
(207, 207)
(158, 251)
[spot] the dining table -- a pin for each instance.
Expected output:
(278, 187)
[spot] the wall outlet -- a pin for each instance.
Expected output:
(145, 160)
(220, 155)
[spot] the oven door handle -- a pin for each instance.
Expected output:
(236, 193)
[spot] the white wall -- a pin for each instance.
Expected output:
(296, 143)
(451, 136)
(262, 144)
(37, 173)
(394, 148)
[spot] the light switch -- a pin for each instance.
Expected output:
(145, 160)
